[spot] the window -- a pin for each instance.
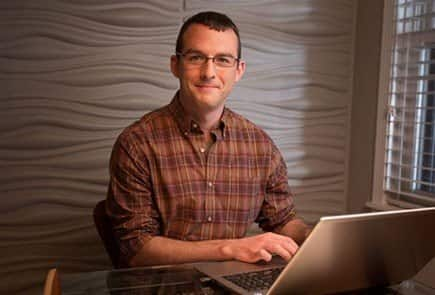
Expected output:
(427, 158)
(409, 150)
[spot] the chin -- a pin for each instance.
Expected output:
(204, 101)
(208, 100)
(211, 103)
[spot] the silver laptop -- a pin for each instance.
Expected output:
(347, 252)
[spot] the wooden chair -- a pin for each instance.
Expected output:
(104, 228)
(52, 284)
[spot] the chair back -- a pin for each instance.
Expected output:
(52, 284)
(104, 228)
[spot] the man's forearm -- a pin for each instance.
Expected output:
(161, 250)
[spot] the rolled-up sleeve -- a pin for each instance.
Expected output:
(130, 205)
(278, 206)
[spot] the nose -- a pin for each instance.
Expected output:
(208, 70)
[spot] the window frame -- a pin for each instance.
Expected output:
(381, 199)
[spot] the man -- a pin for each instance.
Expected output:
(188, 180)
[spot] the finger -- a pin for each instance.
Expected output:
(283, 252)
(288, 243)
(282, 245)
(265, 255)
(294, 244)
(290, 246)
(283, 238)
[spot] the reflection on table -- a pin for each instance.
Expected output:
(179, 279)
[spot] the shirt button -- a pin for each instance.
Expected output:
(186, 133)
(202, 150)
(195, 125)
(210, 184)
(209, 219)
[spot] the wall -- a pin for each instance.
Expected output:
(73, 74)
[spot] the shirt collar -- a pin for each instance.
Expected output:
(186, 122)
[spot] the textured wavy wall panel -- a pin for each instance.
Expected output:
(74, 73)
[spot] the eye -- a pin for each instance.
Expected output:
(224, 60)
(195, 57)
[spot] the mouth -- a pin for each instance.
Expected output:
(207, 86)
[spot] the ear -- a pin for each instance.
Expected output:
(240, 70)
(174, 66)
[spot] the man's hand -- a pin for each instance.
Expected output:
(261, 247)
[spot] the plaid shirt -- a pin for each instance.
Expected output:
(164, 182)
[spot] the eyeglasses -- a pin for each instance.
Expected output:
(199, 59)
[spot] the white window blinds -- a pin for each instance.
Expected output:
(410, 132)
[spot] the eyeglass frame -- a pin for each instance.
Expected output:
(207, 58)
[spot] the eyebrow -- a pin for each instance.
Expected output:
(192, 50)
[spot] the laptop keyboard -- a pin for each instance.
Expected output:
(255, 280)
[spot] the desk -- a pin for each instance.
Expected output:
(181, 279)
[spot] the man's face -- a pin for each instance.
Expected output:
(206, 86)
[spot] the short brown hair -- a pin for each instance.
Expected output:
(215, 21)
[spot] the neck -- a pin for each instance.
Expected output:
(205, 117)
(208, 120)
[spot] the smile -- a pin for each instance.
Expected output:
(206, 86)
